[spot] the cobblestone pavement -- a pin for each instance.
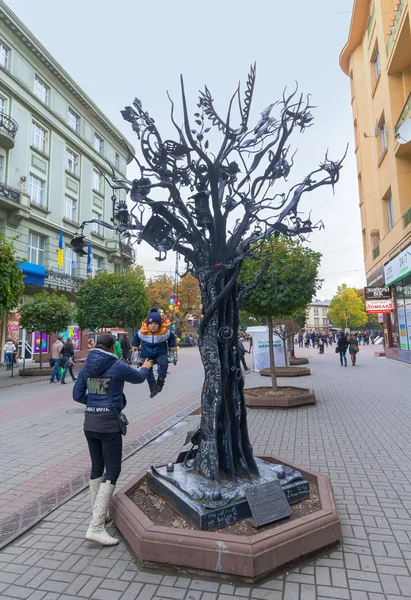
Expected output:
(42, 441)
(358, 434)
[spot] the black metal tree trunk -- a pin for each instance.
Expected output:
(219, 208)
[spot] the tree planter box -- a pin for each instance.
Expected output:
(36, 372)
(279, 401)
(295, 362)
(251, 557)
(287, 372)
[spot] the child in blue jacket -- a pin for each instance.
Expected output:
(155, 339)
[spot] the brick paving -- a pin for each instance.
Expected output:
(358, 434)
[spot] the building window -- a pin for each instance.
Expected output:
(377, 64)
(70, 208)
(41, 90)
(4, 56)
(325, 322)
(36, 190)
(316, 321)
(96, 265)
(383, 136)
(390, 212)
(68, 261)
(96, 227)
(97, 182)
(324, 312)
(98, 143)
(2, 105)
(117, 161)
(39, 137)
(72, 162)
(73, 120)
(36, 249)
(316, 312)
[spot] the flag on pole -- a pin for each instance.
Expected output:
(60, 251)
(89, 258)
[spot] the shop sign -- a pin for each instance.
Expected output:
(74, 333)
(377, 293)
(378, 306)
(376, 278)
(44, 342)
(398, 268)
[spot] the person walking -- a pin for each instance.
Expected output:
(341, 348)
(56, 359)
(125, 347)
(242, 351)
(90, 343)
(300, 340)
(9, 349)
(320, 344)
(67, 360)
(353, 349)
(100, 387)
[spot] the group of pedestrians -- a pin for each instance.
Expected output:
(62, 360)
(347, 341)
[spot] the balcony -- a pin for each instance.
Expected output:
(376, 251)
(9, 193)
(404, 148)
(395, 26)
(63, 281)
(8, 130)
(407, 217)
(127, 250)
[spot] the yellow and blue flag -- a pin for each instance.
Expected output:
(60, 251)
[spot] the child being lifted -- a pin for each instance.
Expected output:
(155, 339)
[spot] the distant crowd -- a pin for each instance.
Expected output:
(327, 338)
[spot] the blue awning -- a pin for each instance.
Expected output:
(34, 274)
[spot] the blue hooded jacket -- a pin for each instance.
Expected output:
(102, 380)
(154, 345)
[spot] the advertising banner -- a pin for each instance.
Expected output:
(377, 293)
(74, 333)
(398, 268)
(44, 343)
(378, 306)
(261, 348)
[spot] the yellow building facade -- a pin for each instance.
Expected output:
(377, 59)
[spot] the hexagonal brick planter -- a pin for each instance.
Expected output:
(280, 401)
(295, 362)
(287, 372)
(251, 557)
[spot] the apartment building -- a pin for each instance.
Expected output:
(53, 143)
(377, 60)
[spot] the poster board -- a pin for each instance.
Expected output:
(261, 350)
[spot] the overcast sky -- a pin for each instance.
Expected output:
(118, 50)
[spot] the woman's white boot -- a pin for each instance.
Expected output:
(96, 531)
(94, 485)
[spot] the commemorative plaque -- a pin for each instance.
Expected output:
(268, 503)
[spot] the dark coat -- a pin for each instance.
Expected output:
(125, 347)
(154, 345)
(342, 344)
(100, 383)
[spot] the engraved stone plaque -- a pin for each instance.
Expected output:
(268, 503)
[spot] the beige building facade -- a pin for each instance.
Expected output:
(317, 319)
(377, 59)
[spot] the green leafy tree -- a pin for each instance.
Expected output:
(46, 313)
(347, 310)
(372, 320)
(11, 277)
(113, 300)
(288, 283)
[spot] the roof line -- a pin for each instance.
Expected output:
(18, 28)
(358, 21)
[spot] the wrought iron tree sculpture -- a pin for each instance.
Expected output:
(203, 194)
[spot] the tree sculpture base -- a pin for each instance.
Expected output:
(251, 557)
(194, 498)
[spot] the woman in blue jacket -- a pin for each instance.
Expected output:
(100, 387)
